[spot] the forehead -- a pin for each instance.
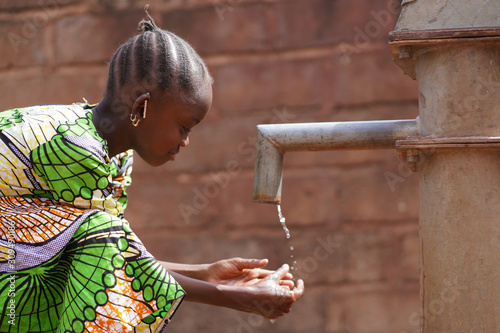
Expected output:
(188, 105)
(201, 94)
(201, 97)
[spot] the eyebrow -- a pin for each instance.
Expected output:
(196, 120)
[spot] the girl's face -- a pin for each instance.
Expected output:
(167, 124)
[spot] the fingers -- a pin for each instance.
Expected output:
(259, 273)
(286, 299)
(280, 294)
(262, 273)
(256, 264)
(280, 273)
(298, 291)
(250, 263)
(287, 283)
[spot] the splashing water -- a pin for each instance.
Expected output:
(287, 234)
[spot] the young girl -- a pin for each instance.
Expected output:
(69, 261)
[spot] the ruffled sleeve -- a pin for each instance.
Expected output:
(120, 171)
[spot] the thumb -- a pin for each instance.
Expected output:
(250, 263)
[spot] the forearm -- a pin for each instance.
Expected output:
(198, 271)
(209, 293)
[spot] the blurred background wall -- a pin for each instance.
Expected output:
(353, 215)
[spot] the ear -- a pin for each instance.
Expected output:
(139, 108)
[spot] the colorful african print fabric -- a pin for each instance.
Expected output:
(69, 261)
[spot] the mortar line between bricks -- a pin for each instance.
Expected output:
(62, 11)
(161, 7)
(172, 5)
(264, 112)
(346, 287)
(284, 54)
(271, 231)
(30, 70)
(399, 103)
(398, 227)
(296, 172)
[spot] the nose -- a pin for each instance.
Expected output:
(185, 141)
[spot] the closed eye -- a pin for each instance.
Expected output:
(187, 130)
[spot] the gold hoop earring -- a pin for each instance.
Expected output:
(135, 121)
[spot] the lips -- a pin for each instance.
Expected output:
(172, 155)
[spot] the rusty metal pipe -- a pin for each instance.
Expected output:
(273, 141)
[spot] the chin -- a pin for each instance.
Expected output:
(155, 161)
(158, 162)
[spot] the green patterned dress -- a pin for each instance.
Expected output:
(69, 261)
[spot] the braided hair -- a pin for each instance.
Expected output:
(157, 56)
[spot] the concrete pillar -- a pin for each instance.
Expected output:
(453, 50)
(460, 189)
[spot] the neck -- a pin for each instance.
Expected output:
(110, 127)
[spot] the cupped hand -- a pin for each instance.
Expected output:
(269, 297)
(243, 272)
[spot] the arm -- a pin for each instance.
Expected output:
(266, 296)
(198, 271)
(234, 271)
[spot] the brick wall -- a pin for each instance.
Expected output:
(353, 215)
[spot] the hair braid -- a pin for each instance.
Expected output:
(148, 25)
(144, 58)
(112, 74)
(183, 64)
(124, 62)
(160, 55)
(165, 61)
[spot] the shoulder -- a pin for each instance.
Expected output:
(32, 126)
(45, 129)
(53, 111)
(44, 117)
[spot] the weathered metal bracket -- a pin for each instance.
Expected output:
(410, 150)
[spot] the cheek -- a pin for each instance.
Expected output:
(170, 138)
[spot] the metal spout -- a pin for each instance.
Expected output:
(273, 141)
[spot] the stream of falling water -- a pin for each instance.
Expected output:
(287, 234)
